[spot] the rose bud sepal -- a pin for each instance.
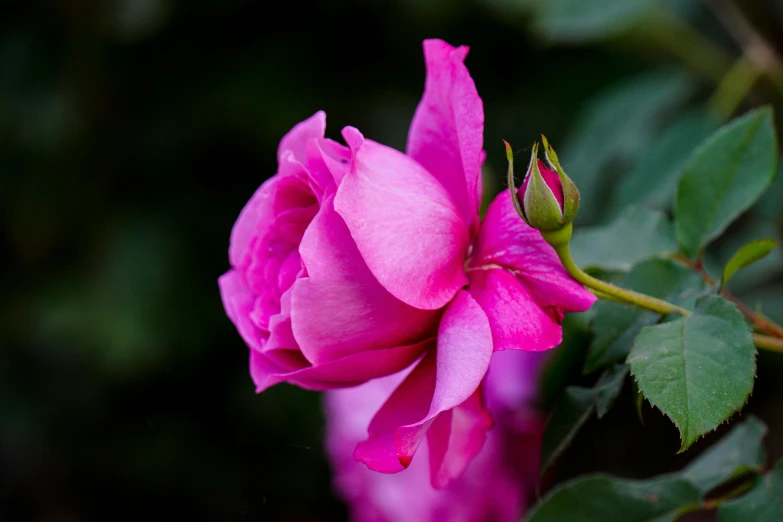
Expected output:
(541, 207)
(571, 197)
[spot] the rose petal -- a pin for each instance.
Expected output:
(281, 337)
(495, 486)
(238, 302)
(507, 241)
(269, 253)
(516, 319)
(251, 223)
(327, 163)
(461, 361)
(289, 188)
(464, 353)
(289, 270)
(296, 139)
(275, 196)
(265, 306)
(446, 134)
(550, 178)
(272, 367)
(455, 438)
(404, 223)
(337, 158)
(341, 373)
(336, 319)
(341, 308)
(409, 403)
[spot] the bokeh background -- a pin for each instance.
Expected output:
(132, 132)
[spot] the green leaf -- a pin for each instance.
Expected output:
(763, 503)
(653, 181)
(609, 387)
(615, 128)
(570, 414)
(760, 272)
(723, 178)
(748, 254)
(600, 498)
(577, 20)
(637, 234)
(741, 450)
(697, 370)
(616, 325)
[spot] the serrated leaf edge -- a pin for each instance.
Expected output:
(684, 445)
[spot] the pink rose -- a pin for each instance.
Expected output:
(354, 263)
(497, 486)
(300, 293)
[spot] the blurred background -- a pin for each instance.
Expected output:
(132, 132)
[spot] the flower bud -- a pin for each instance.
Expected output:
(570, 201)
(548, 199)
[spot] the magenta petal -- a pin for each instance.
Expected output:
(341, 308)
(404, 223)
(292, 191)
(251, 223)
(341, 373)
(275, 196)
(336, 319)
(463, 356)
(289, 270)
(320, 177)
(507, 241)
(446, 134)
(327, 163)
(296, 139)
(455, 438)
(266, 305)
(409, 403)
(459, 365)
(495, 487)
(550, 178)
(518, 322)
(281, 337)
(464, 352)
(269, 253)
(379, 454)
(266, 368)
(337, 158)
(238, 301)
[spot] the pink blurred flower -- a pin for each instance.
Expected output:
(357, 262)
(496, 487)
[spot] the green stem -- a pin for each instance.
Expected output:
(759, 321)
(754, 46)
(733, 88)
(734, 493)
(668, 32)
(606, 297)
(560, 241)
(768, 342)
(714, 503)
